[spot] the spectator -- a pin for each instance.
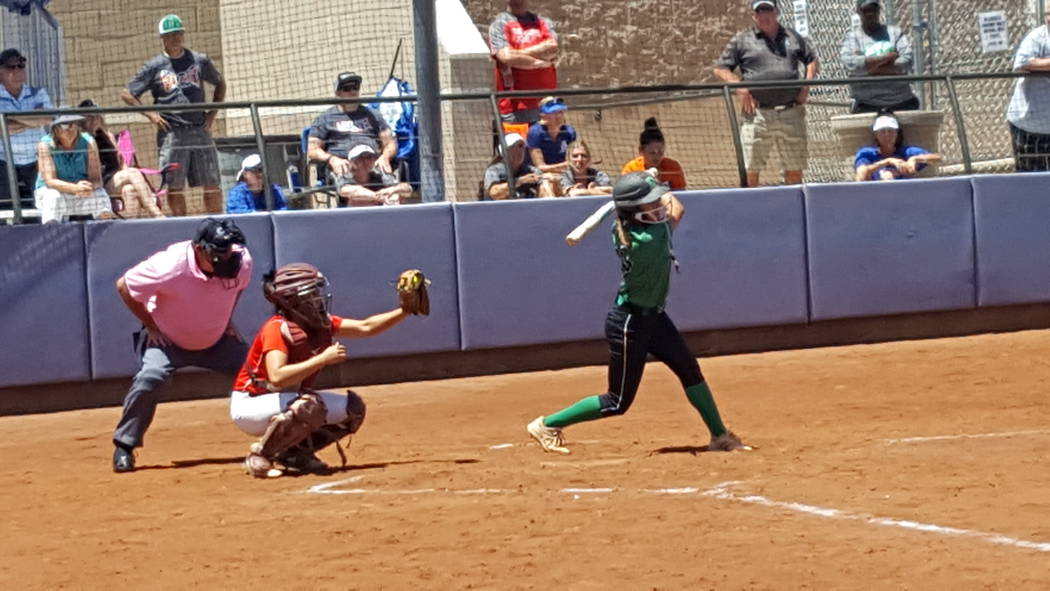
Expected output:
(580, 178)
(367, 184)
(876, 49)
(70, 179)
(524, 46)
(184, 296)
(529, 181)
(118, 178)
(889, 158)
(651, 155)
(249, 194)
(177, 77)
(346, 125)
(1029, 109)
(771, 116)
(549, 138)
(16, 95)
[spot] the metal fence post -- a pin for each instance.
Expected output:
(738, 146)
(918, 43)
(260, 145)
(12, 174)
(432, 185)
(960, 126)
(512, 190)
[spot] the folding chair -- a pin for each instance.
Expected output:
(126, 149)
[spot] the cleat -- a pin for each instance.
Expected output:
(303, 460)
(123, 460)
(549, 438)
(727, 441)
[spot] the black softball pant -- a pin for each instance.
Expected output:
(632, 336)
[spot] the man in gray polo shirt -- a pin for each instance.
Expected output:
(876, 49)
(772, 117)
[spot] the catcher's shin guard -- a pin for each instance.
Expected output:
(305, 415)
(329, 434)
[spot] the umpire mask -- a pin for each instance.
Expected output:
(222, 242)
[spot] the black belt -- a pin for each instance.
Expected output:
(641, 311)
(783, 107)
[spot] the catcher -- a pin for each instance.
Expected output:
(271, 397)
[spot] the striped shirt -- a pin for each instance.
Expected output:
(23, 143)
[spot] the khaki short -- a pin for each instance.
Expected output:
(784, 129)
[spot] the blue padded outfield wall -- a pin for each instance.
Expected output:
(503, 275)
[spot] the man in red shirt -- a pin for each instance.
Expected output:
(525, 48)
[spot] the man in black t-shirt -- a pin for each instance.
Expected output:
(177, 77)
(337, 130)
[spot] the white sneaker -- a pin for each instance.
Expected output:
(727, 441)
(549, 438)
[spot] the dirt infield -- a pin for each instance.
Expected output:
(915, 465)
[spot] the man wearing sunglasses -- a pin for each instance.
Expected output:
(772, 118)
(875, 49)
(339, 129)
(26, 132)
(184, 296)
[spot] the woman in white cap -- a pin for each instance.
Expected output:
(69, 182)
(889, 157)
(249, 194)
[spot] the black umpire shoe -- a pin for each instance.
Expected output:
(123, 460)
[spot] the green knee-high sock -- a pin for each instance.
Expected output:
(702, 400)
(587, 409)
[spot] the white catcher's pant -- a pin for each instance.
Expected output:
(252, 414)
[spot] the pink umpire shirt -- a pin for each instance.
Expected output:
(190, 308)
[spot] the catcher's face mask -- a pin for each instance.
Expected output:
(311, 303)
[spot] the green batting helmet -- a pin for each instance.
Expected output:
(170, 24)
(636, 189)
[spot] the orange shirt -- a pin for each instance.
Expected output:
(670, 171)
(268, 339)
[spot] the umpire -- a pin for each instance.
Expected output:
(184, 296)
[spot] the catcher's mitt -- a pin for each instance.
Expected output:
(412, 291)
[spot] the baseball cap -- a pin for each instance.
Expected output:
(863, 3)
(885, 122)
(347, 81)
(250, 162)
(171, 23)
(360, 150)
(637, 188)
(10, 54)
(513, 139)
(763, 3)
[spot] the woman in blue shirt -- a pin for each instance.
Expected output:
(889, 158)
(248, 194)
(549, 138)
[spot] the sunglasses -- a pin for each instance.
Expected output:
(21, 66)
(65, 126)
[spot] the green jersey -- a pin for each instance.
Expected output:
(645, 264)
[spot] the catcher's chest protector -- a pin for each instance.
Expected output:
(303, 345)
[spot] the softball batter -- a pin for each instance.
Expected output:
(638, 325)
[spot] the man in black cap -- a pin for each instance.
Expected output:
(876, 49)
(346, 125)
(184, 296)
(16, 95)
(772, 117)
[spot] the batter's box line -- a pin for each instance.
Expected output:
(722, 491)
(1003, 434)
(333, 488)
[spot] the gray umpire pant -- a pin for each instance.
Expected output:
(157, 365)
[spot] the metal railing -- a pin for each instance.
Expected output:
(622, 96)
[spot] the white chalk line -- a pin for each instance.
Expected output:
(331, 488)
(722, 492)
(966, 436)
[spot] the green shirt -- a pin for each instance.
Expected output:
(645, 264)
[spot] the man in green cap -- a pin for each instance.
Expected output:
(176, 77)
